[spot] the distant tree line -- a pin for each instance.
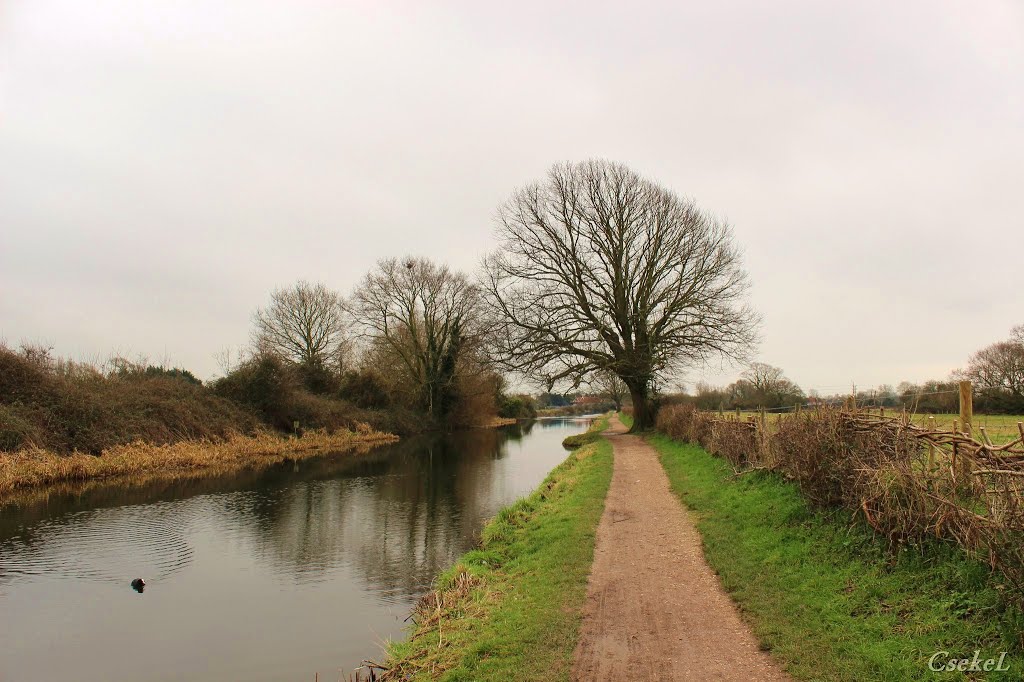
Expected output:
(408, 340)
(760, 385)
(996, 373)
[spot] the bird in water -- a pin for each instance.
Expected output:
(139, 584)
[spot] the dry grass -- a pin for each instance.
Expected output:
(34, 467)
(495, 422)
(433, 610)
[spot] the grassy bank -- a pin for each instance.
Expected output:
(826, 595)
(511, 610)
(35, 467)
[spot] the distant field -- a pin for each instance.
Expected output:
(1001, 428)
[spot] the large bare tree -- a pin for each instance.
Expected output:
(602, 269)
(766, 386)
(426, 315)
(304, 323)
(608, 385)
(998, 371)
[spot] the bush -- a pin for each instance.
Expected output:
(365, 389)
(274, 389)
(266, 385)
(517, 407)
(66, 406)
(125, 369)
(317, 378)
(16, 430)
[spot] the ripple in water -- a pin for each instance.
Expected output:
(103, 545)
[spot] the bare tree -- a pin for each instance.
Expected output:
(601, 268)
(770, 387)
(608, 384)
(426, 315)
(998, 371)
(304, 323)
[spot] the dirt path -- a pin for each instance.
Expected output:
(654, 609)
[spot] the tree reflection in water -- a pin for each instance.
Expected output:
(398, 516)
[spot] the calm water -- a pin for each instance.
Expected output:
(274, 575)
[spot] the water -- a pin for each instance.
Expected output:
(271, 575)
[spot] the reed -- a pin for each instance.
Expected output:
(34, 467)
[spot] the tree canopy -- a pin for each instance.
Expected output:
(602, 269)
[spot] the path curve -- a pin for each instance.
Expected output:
(654, 609)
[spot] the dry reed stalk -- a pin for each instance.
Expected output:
(37, 467)
(431, 611)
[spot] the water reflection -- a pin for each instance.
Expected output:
(301, 567)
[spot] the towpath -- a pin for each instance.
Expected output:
(654, 609)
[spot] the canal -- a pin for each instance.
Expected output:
(301, 569)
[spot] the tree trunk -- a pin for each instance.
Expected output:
(643, 412)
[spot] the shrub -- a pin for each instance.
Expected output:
(265, 384)
(365, 389)
(905, 481)
(517, 407)
(66, 406)
(274, 389)
(16, 430)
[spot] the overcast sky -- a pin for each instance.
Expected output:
(163, 166)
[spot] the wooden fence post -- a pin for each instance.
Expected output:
(966, 418)
(966, 406)
(931, 446)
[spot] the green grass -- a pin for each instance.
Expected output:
(626, 419)
(1001, 428)
(519, 618)
(825, 595)
(579, 440)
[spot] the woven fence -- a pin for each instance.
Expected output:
(908, 482)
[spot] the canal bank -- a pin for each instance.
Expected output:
(32, 470)
(512, 608)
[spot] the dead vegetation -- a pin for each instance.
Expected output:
(907, 481)
(432, 611)
(30, 467)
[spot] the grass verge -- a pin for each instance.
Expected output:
(36, 467)
(825, 595)
(511, 610)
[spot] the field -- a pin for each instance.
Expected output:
(1001, 428)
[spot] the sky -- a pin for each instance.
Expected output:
(164, 166)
